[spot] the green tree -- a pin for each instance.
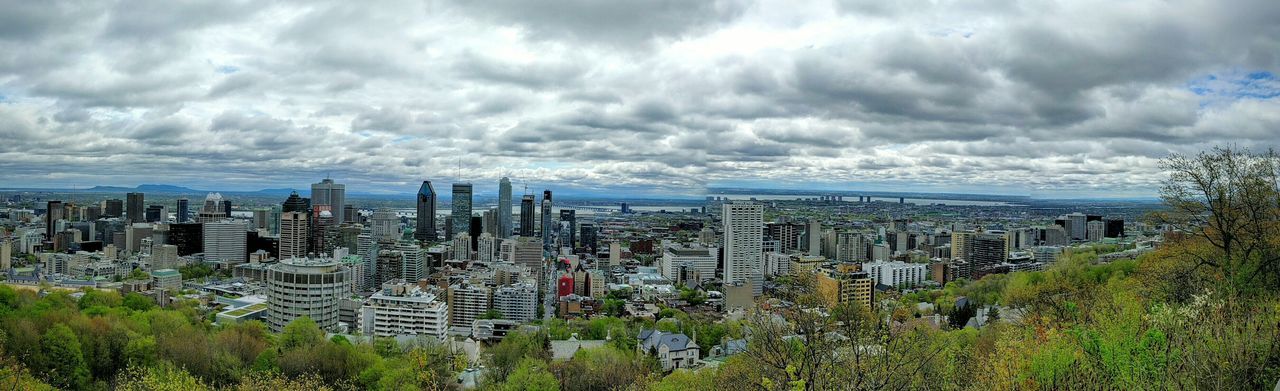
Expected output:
(515, 347)
(1229, 198)
(63, 364)
(301, 332)
(531, 375)
(137, 302)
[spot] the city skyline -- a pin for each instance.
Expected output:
(1046, 100)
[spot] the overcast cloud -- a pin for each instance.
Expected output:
(1043, 98)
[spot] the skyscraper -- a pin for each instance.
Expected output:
(54, 211)
(426, 228)
(743, 239)
(526, 215)
(329, 196)
(212, 210)
(225, 241)
(226, 208)
(114, 208)
(385, 225)
(296, 203)
(293, 235)
(461, 208)
(569, 216)
(184, 210)
(504, 209)
(548, 230)
(156, 214)
(135, 211)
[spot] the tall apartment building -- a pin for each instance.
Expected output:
(466, 303)
(743, 242)
(518, 302)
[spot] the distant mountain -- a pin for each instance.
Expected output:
(149, 188)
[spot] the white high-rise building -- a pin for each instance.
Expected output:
(743, 242)
(851, 247)
(293, 235)
(310, 287)
(486, 247)
(6, 253)
(401, 308)
(813, 231)
(413, 267)
(504, 208)
(466, 303)
(1076, 225)
(461, 248)
(224, 241)
(518, 302)
(386, 226)
(367, 248)
(1094, 230)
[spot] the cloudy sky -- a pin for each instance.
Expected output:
(1069, 98)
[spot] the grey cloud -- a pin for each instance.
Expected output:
(621, 24)
(654, 94)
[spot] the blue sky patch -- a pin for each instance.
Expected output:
(1233, 85)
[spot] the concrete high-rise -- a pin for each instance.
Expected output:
(504, 209)
(526, 215)
(135, 211)
(813, 236)
(385, 224)
(743, 239)
(298, 287)
(293, 235)
(225, 241)
(329, 196)
(461, 205)
(425, 230)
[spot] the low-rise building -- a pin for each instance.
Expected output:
(401, 308)
(673, 350)
(897, 274)
(167, 279)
